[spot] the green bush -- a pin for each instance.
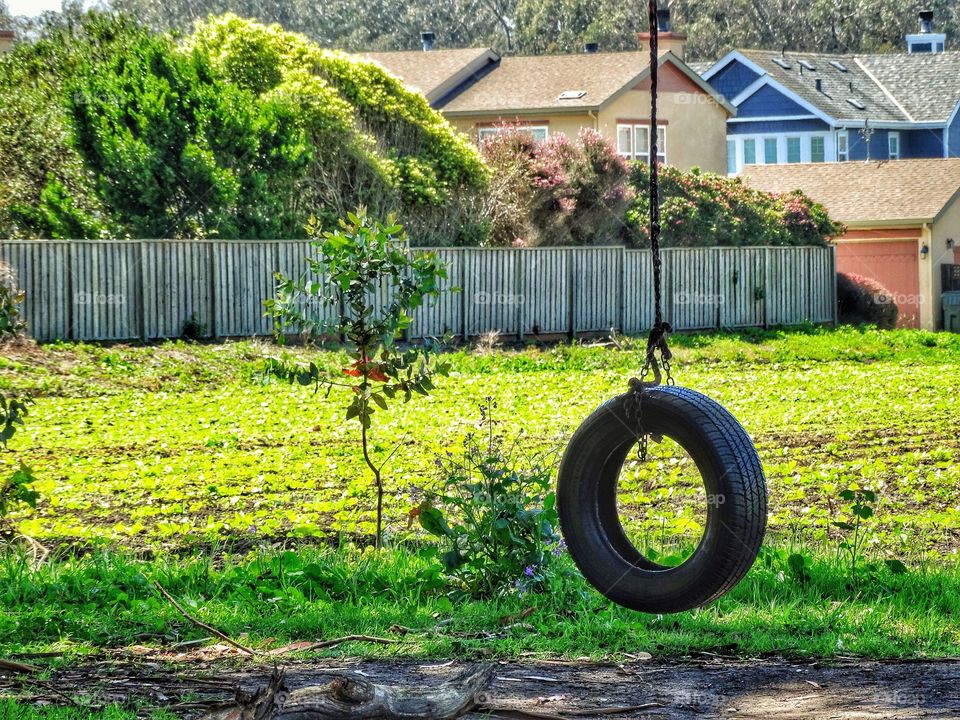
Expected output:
(239, 130)
(864, 301)
(702, 209)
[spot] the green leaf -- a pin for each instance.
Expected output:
(432, 520)
(896, 567)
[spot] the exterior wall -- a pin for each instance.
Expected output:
(926, 143)
(891, 257)
(946, 227)
(953, 137)
(733, 79)
(878, 145)
(769, 102)
(695, 122)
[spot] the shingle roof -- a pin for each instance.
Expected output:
(536, 82)
(436, 72)
(862, 193)
(837, 85)
(927, 85)
(900, 87)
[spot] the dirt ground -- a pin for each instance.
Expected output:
(711, 688)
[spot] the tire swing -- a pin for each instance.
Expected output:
(723, 453)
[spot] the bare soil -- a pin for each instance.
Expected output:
(710, 688)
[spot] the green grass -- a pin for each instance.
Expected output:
(12, 710)
(268, 598)
(170, 462)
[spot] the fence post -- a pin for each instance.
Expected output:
(718, 295)
(518, 290)
(621, 310)
(212, 289)
(764, 313)
(832, 284)
(142, 291)
(464, 305)
(571, 294)
(70, 330)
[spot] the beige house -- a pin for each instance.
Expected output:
(6, 40)
(479, 91)
(902, 218)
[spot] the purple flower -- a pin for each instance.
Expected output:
(528, 571)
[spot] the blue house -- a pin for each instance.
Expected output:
(796, 107)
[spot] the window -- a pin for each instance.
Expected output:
(893, 145)
(539, 132)
(731, 157)
(633, 141)
(749, 151)
(770, 151)
(817, 148)
(842, 152)
(793, 149)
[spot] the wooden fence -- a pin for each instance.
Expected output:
(125, 290)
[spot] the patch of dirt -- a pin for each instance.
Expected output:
(713, 688)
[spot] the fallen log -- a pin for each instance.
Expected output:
(348, 697)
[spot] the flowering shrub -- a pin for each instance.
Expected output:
(864, 301)
(703, 209)
(557, 192)
(495, 515)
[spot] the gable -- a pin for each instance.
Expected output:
(769, 102)
(670, 79)
(733, 79)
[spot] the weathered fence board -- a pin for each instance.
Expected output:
(131, 289)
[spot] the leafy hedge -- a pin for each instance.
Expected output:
(703, 209)
(239, 130)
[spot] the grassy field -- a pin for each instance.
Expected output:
(182, 464)
(184, 443)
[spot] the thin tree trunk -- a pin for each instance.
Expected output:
(378, 480)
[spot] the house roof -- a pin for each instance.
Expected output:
(525, 83)
(437, 72)
(891, 87)
(837, 86)
(556, 83)
(926, 85)
(857, 193)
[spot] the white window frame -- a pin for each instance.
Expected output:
(643, 154)
(823, 140)
(799, 141)
(488, 131)
(843, 146)
(776, 152)
(893, 138)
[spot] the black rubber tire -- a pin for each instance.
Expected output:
(731, 471)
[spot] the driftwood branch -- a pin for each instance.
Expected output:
(348, 697)
(18, 667)
(209, 628)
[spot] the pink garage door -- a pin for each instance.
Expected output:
(894, 263)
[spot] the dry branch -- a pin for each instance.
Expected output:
(18, 667)
(210, 629)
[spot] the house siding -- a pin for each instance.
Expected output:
(733, 79)
(953, 137)
(769, 102)
(921, 144)
(878, 145)
(775, 127)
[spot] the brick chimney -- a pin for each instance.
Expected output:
(667, 39)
